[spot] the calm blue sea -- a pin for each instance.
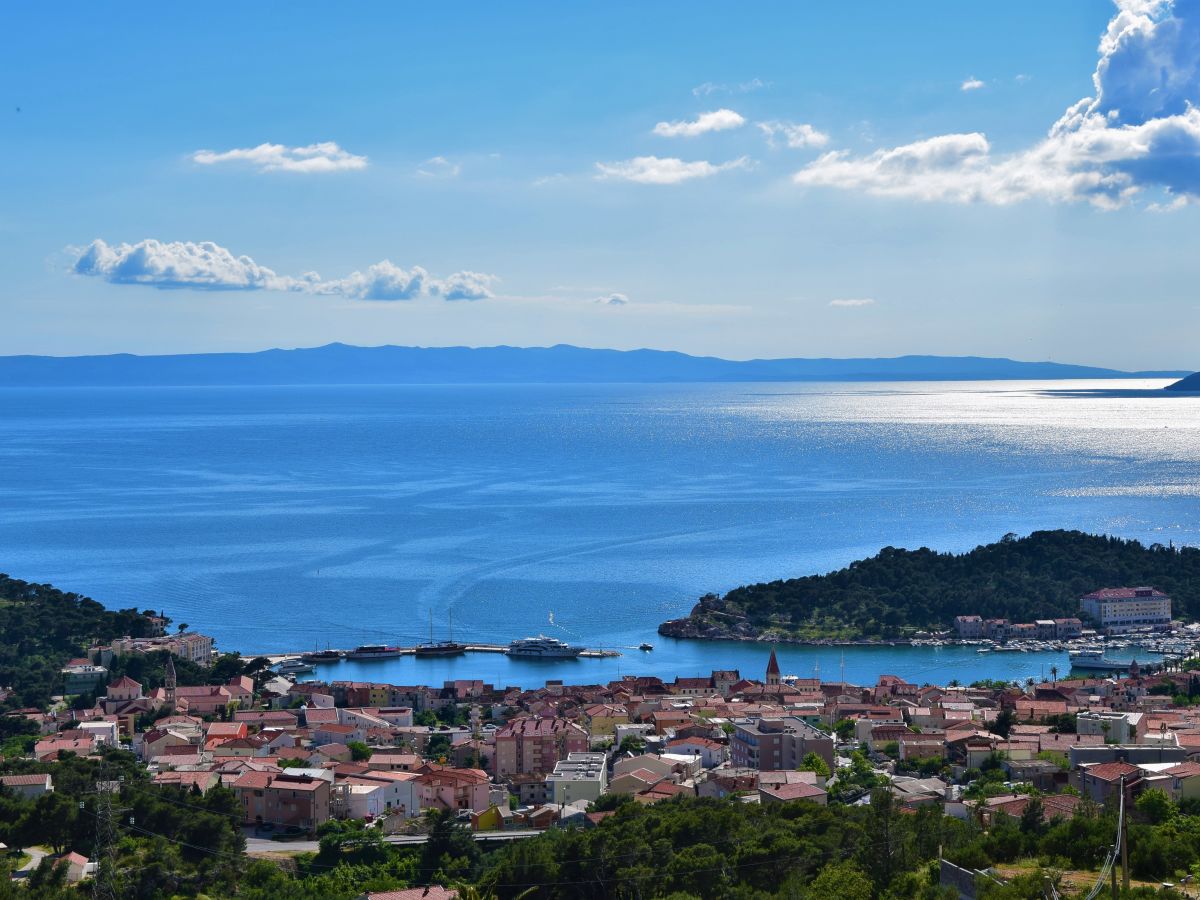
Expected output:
(281, 519)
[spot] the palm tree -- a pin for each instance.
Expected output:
(1054, 674)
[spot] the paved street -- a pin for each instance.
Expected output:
(257, 845)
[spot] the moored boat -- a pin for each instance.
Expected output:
(373, 651)
(542, 647)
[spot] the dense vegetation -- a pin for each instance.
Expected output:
(43, 627)
(685, 849)
(168, 842)
(900, 591)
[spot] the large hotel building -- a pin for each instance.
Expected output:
(1119, 609)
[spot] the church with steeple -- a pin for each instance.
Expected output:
(170, 683)
(772, 669)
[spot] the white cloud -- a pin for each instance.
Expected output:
(208, 266)
(323, 157)
(972, 84)
(852, 303)
(382, 281)
(1141, 131)
(465, 286)
(177, 264)
(613, 299)
(795, 134)
(717, 120)
(438, 167)
(743, 87)
(669, 170)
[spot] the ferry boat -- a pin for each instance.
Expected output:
(373, 651)
(1086, 653)
(293, 666)
(542, 647)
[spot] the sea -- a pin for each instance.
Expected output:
(283, 519)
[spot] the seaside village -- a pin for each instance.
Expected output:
(507, 759)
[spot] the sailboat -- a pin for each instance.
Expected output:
(447, 647)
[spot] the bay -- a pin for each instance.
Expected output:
(287, 518)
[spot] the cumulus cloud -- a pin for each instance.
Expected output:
(717, 120)
(852, 303)
(323, 157)
(795, 134)
(438, 167)
(208, 266)
(741, 87)
(1141, 130)
(177, 264)
(668, 170)
(971, 84)
(464, 286)
(613, 299)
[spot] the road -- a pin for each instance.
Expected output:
(255, 845)
(35, 859)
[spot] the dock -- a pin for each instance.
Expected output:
(276, 658)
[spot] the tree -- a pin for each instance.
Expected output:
(1004, 722)
(814, 763)
(1155, 806)
(450, 851)
(841, 881)
(1054, 674)
(884, 853)
(359, 752)
(631, 743)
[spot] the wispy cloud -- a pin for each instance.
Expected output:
(207, 266)
(972, 84)
(438, 167)
(668, 170)
(613, 299)
(1140, 131)
(852, 303)
(741, 87)
(795, 134)
(717, 120)
(314, 158)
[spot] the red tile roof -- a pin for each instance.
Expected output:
(797, 791)
(1111, 771)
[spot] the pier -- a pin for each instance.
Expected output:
(276, 658)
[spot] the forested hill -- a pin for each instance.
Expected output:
(42, 627)
(1191, 383)
(900, 591)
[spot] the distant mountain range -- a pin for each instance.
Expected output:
(344, 364)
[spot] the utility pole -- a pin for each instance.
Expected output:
(1124, 840)
(104, 878)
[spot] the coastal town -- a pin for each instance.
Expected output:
(509, 763)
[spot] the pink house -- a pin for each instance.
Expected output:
(452, 789)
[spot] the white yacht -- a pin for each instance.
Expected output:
(294, 666)
(542, 647)
(373, 651)
(1087, 653)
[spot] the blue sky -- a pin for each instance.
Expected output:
(770, 181)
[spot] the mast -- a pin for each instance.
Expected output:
(431, 624)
